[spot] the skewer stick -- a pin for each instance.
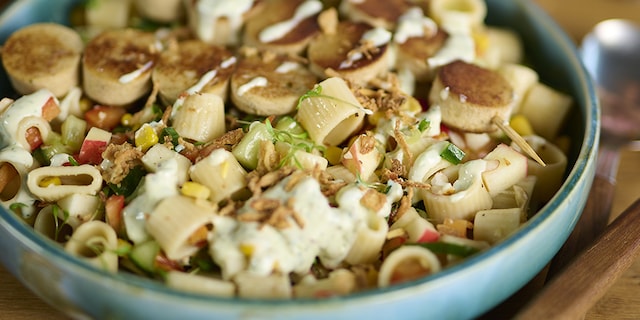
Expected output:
(518, 139)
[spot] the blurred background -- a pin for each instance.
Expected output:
(577, 17)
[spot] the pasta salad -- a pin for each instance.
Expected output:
(277, 149)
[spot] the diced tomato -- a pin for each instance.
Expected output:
(50, 110)
(33, 137)
(444, 128)
(104, 117)
(113, 210)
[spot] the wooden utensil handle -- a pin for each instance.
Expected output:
(570, 294)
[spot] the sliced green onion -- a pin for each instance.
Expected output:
(452, 154)
(171, 133)
(424, 125)
(129, 184)
(448, 248)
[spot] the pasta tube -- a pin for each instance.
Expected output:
(407, 263)
(200, 284)
(521, 78)
(175, 223)
(339, 283)
(473, 10)
(15, 163)
(83, 179)
(546, 109)
(221, 173)
(368, 242)
(78, 209)
(495, 224)
(331, 113)
(274, 286)
(50, 225)
(460, 199)
(200, 117)
(549, 177)
(95, 242)
(506, 167)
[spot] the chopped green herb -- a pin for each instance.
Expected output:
(452, 154)
(449, 248)
(17, 207)
(129, 184)
(424, 125)
(171, 133)
(315, 92)
(73, 161)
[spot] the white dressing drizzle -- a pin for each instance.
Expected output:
(280, 29)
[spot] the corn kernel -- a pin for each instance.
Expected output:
(195, 190)
(247, 249)
(521, 125)
(224, 169)
(126, 119)
(146, 137)
(481, 39)
(333, 155)
(375, 118)
(412, 105)
(50, 181)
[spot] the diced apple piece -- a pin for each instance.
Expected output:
(93, 145)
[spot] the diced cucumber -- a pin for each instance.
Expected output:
(73, 131)
(144, 255)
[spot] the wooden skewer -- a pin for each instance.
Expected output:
(580, 285)
(518, 139)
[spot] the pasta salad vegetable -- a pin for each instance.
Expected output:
(277, 149)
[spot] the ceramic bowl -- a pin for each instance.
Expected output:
(463, 291)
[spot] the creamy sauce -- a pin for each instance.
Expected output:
(157, 186)
(459, 45)
(127, 78)
(280, 29)
(328, 232)
(27, 106)
(23, 162)
(253, 83)
(413, 24)
(468, 173)
(377, 37)
(428, 162)
(287, 66)
(209, 11)
(202, 82)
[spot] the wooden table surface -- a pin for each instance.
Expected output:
(622, 301)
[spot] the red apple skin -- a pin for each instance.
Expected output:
(91, 151)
